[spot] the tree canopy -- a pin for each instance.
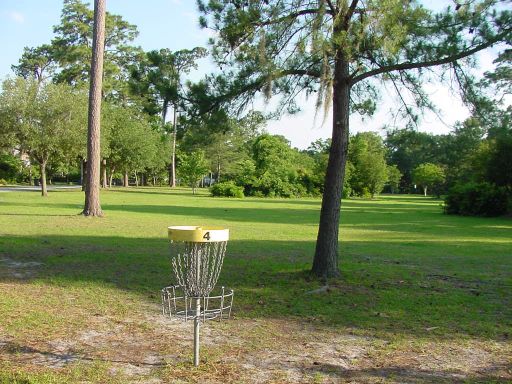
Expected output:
(67, 57)
(45, 121)
(428, 175)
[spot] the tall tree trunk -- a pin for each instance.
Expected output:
(83, 173)
(165, 107)
(125, 179)
(92, 188)
(104, 174)
(42, 170)
(425, 191)
(173, 147)
(218, 170)
(325, 263)
(31, 179)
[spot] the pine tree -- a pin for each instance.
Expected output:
(341, 50)
(92, 187)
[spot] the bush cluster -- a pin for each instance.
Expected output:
(477, 199)
(10, 167)
(227, 189)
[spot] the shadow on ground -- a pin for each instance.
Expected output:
(409, 375)
(376, 293)
(54, 359)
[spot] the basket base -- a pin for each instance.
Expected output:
(178, 306)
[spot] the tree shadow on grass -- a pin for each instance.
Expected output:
(24, 353)
(390, 218)
(242, 214)
(279, 210)
(39, 204)
(35, 214)
(281, 201)
(169, 193)
(404, 374)
(270, 280)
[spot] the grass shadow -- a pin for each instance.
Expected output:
(405, 374)
(260, 215)
(374, 293)
(35, 214)
(157, 191)
(59, 360)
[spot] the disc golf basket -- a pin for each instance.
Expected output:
(197, 254)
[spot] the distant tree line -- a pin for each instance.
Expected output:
(473, 158)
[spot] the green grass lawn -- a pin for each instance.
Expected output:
(409, 273)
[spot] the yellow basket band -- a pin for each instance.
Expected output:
(197, 234)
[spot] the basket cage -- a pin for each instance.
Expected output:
(177, 305)
(197, 266)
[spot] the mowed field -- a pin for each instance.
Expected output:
(422, 298)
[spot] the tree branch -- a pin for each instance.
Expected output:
(290, 16)
(349, 14)
(406, 106)
(430, 63)
(257, 83)
(254, 86)
(333, 8)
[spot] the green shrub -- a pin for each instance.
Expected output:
(477, 199)
(347, 192)
(10, 167)
(227, 189)
(3, 182)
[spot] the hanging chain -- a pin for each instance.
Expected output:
(197, 266)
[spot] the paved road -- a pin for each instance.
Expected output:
(38, 189)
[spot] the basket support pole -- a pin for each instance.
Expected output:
(197, 321)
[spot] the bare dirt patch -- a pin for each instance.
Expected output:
(143, 346)
(17, 269)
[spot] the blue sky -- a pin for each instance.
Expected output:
(161, 23)
(173, 24)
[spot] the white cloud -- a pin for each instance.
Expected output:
(17, 17)
(176, 2)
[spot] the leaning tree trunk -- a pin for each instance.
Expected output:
(42, 170)
(325, 263)
(92, 188)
